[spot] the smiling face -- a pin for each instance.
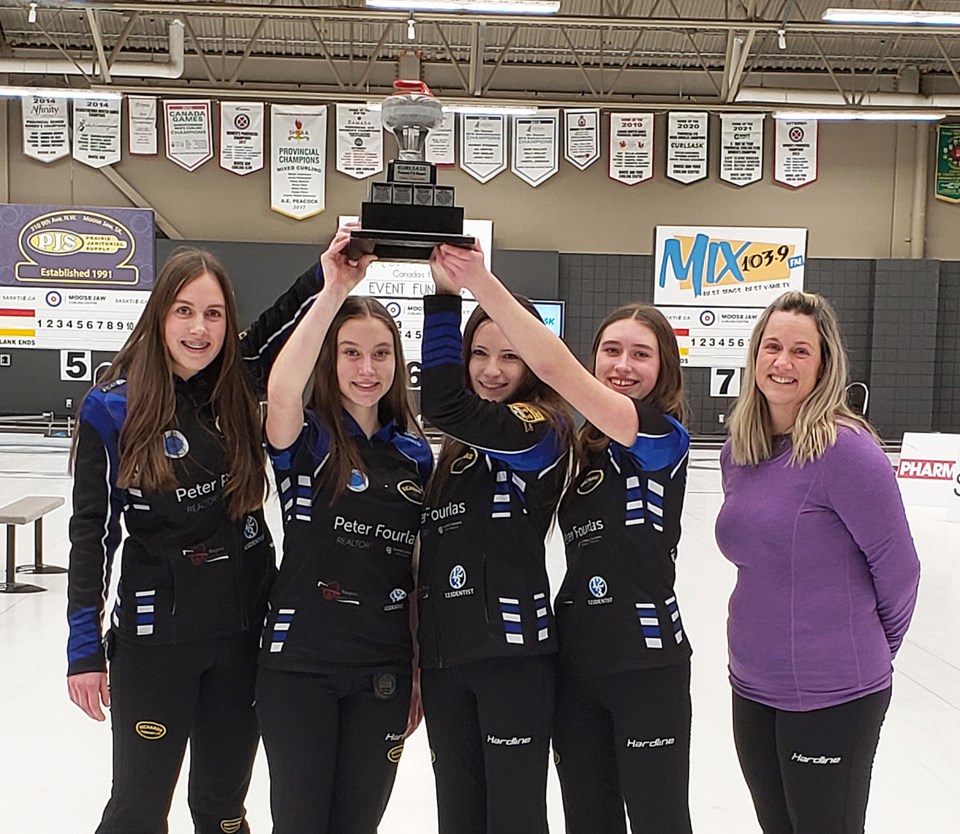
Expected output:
(495, 369)
(195, 326)
(366, 365)
(788, 365)
(628, 358)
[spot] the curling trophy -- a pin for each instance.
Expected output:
(409, 214)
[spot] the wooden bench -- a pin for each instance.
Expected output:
(32, 508)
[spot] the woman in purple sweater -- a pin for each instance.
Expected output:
(826, 576)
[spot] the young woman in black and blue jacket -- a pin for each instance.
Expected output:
(487, 634)
(169, 442)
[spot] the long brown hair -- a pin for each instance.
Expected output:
(325, 400)
(145, 364)
(530, 390)
(667, 394)
(815, 429)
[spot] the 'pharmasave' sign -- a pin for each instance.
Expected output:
(929, 471)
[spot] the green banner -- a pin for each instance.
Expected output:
(948, 163)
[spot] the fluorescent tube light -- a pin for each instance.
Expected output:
(892, 16)
(60, 92)
(859, 115)
(490, 109)
(479, 6)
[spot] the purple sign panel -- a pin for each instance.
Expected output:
(73, 276)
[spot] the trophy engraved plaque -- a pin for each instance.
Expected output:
(409, 214)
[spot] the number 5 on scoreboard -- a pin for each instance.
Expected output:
(725, 382)
(75, 366)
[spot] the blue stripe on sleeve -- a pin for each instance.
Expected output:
(656, 452)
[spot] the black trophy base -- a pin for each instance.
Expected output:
(397, 245)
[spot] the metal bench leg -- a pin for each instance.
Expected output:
(38, 566)
(10, 586)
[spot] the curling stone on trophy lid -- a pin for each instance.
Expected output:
(409, 214)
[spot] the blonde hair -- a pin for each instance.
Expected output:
(815, 429)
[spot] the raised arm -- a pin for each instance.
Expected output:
(294, 365)
(545, 354)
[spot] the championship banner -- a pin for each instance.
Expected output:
(483, 145)
(298, 171)
(631, 147)
(46, 128)
(948, 163)
(712, 337)
(241, 137)
(359, 141)
(536, 146)
(73, 277)
(581, 147)
(188, 134)
(687, 147)
(741, 148)
(796, 152)
(142, 125)
(439, 148)
(96, 132)
(727, 267)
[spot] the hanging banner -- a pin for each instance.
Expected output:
(631, 147)
(483, 143)
(948, 163)
(142, 125)
(440, 142)
(46, 127)
(359, 141)
(741, 147)
(536, 146)
(796, 152)
(188, 134)
(581, 147)
(728, 267)
(298, 172)
(241, 137)
(687, 147)
(73, 277)
(96, 132)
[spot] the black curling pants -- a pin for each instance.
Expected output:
(161, 697)
(333, 741)
(809, 772)
(624, 739)
(489, 728)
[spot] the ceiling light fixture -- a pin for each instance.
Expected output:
(490, 109)
(859, 115)
(411, 29)
(61, 92)
(892, 16)
(478, 6)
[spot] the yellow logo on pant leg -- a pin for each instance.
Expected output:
(231, 826)
(394, 753)
(150, 730)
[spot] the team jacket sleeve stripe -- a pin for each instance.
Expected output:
(94, 534)
(661, 440)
